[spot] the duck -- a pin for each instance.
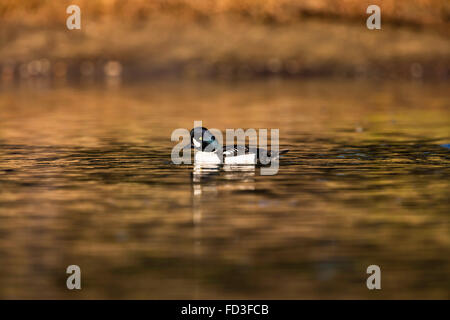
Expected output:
(209, 151)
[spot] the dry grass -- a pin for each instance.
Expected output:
(231, 38)
(422, 12)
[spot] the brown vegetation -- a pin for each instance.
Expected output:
(229, 38)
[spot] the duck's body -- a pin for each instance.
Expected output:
(202, 157)
(209, 151)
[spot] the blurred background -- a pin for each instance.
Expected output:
(86, 178)
(224, 39)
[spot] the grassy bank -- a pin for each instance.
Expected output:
(225, 39)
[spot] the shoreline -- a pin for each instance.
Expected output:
(224, 49)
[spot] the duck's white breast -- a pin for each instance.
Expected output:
(206, 158)
(212, 158)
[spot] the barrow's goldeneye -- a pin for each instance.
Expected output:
(208, 151)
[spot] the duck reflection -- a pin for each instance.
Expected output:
(209, 181)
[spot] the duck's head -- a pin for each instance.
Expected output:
(202, 139)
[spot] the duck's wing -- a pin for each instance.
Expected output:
(232, 151)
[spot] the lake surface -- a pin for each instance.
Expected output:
(86, 179)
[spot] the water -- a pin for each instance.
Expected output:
(86, 179)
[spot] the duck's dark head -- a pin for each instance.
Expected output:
(202, 139)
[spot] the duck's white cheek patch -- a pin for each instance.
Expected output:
(196, 143)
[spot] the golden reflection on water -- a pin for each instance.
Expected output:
(86, 179)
